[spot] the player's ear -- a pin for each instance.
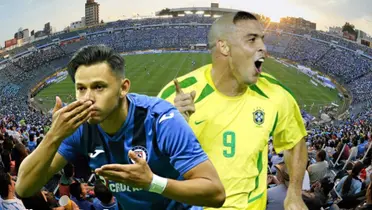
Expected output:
(223, 47)
(125, 86)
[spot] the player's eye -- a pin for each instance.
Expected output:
(81, 88)
(252, 39)
(99, 87)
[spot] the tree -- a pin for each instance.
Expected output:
(264, 19)
(350, 28)
(164, 11)
(67, 29)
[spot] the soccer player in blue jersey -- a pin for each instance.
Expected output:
(141, 145)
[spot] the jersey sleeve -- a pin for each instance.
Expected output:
(168, 93)
(70, 147)
(177, 140)
(289, 127)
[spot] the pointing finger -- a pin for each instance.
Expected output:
(178, 87)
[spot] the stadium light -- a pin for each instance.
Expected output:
(200, 12)
(207, 15)
(188, 12)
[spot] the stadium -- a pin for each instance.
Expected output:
(331, 78)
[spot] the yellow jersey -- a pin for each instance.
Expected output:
(234, 131)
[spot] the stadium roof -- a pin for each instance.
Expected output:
(194, 10)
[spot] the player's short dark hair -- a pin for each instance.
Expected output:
(102, 192)
(94, 54)
(5, 181)
(226, 20)
(242, 15)
(75, 190)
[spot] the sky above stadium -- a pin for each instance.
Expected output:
(33, 14)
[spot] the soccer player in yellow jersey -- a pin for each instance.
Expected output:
(234, 108)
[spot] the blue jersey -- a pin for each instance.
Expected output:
(155, 131)
(100, 206)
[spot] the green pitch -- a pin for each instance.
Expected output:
(149, 73)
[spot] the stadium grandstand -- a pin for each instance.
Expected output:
(346, 138)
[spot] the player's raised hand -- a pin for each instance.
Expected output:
(184, 102)
(138, 175)
(66, 120)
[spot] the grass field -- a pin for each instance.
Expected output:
(165, 67)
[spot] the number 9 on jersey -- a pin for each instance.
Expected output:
(229, 143)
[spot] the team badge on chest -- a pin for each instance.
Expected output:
(259, 116)
(141, 152)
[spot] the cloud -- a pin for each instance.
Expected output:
(363, 23)
(346, 8)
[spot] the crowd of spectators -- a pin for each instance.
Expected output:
(39, 57)
(338, 174)
(349, 68)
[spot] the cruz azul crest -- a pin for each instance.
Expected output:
(259, 116)
(141, 152)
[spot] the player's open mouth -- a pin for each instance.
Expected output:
(258, 63)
